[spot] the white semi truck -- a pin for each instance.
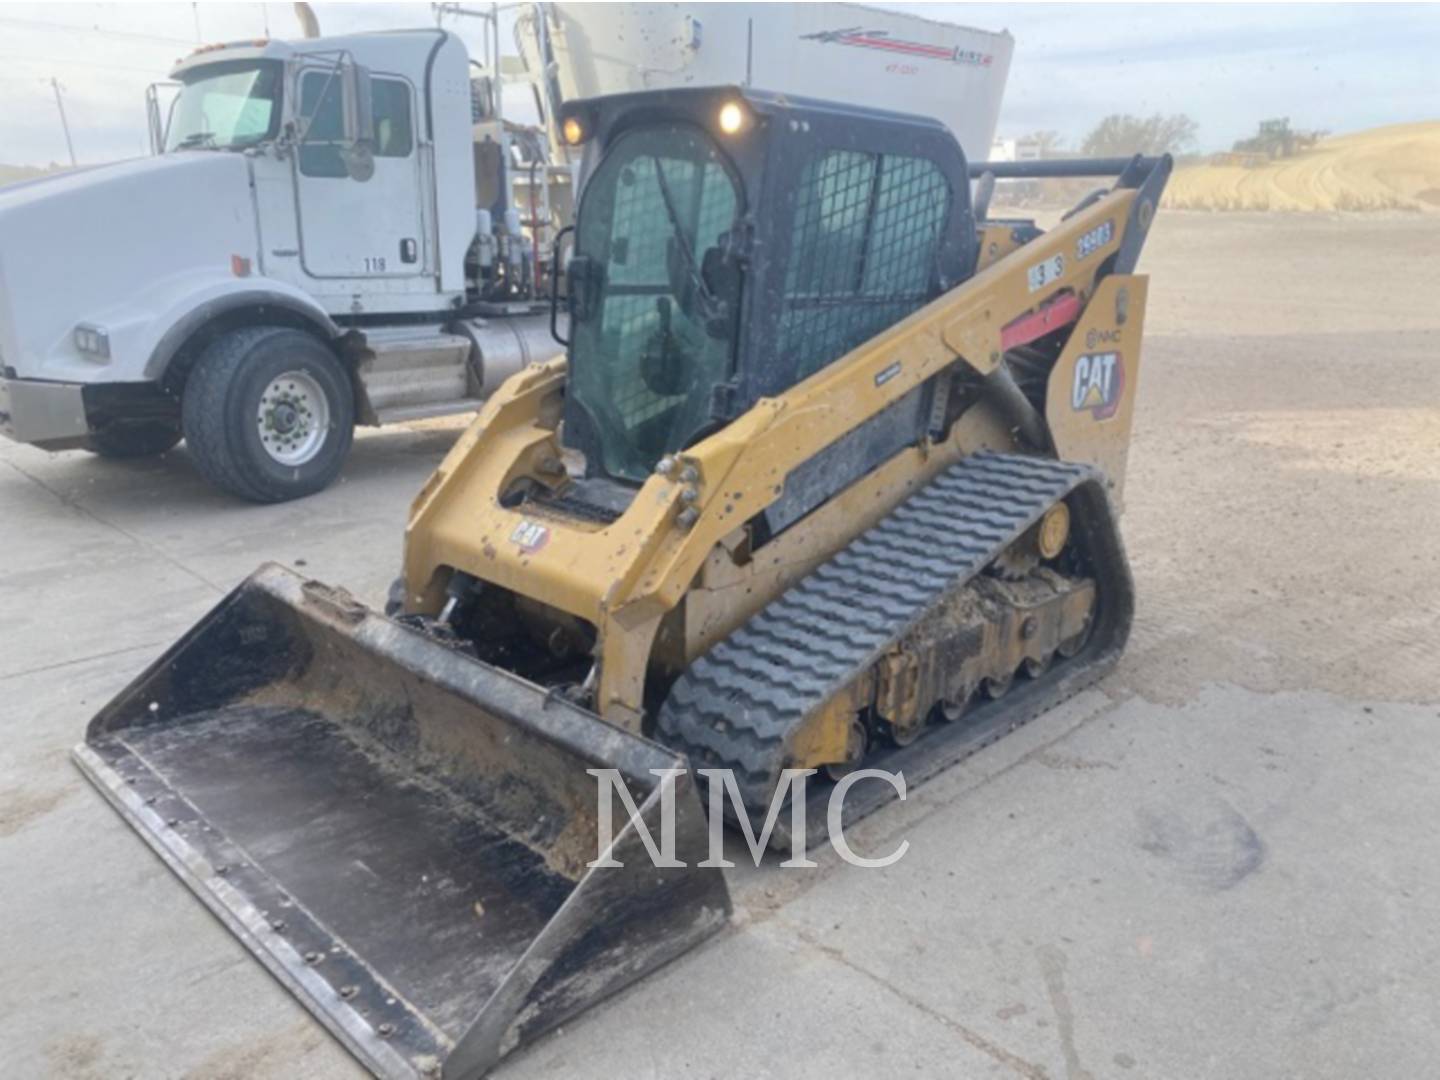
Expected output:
(329, 234)
(314, 248)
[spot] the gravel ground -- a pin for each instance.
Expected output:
(1219, 863)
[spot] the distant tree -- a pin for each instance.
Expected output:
(1047, 142)
(1121, 134)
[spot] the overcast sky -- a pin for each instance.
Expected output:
(1340, 67)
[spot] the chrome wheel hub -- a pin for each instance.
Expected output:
(293, 418)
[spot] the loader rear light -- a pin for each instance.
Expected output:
(92, 340)
(239, 266)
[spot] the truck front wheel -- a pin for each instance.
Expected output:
(268, 414)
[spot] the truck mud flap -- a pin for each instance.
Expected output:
(399, 832)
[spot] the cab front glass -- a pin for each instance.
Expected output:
(226, 106)
(657, 335)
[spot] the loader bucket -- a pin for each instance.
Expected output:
(399, 832)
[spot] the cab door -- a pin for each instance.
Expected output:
(360, 229)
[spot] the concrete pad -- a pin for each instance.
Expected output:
(762, 1003)
(122, 967)
(1125, 898)
(132, 969)
(354, 530)
(1221, 862)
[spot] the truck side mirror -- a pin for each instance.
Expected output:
(359, 120)
(159, 124)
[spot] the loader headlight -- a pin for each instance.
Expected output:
(732, 117)
(573, 131)
(92, 340)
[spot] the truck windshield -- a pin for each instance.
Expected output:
(653, 337)
(226, 106)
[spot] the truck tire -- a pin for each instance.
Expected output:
(124, 439)
(268, 414)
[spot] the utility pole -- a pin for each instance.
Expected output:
(64, 123)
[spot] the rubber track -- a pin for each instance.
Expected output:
(737, 705)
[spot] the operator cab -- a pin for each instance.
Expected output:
(680, 320)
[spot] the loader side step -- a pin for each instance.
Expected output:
(399, 414)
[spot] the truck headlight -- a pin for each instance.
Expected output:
(92, 340)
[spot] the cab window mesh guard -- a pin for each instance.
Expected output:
(867, 230)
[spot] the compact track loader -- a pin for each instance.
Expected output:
(827, 476)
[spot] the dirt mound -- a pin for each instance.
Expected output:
(1389, 168)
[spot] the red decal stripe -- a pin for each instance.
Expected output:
(911, 47)
(1064, 309)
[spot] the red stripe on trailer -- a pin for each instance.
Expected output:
(898, 46)
(1061, 311)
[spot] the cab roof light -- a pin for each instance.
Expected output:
(574, 130)
(733, 118)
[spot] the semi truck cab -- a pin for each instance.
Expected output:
(326, 237)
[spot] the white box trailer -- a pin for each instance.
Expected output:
(847, 53)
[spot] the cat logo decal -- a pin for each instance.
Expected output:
(1099, 382)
